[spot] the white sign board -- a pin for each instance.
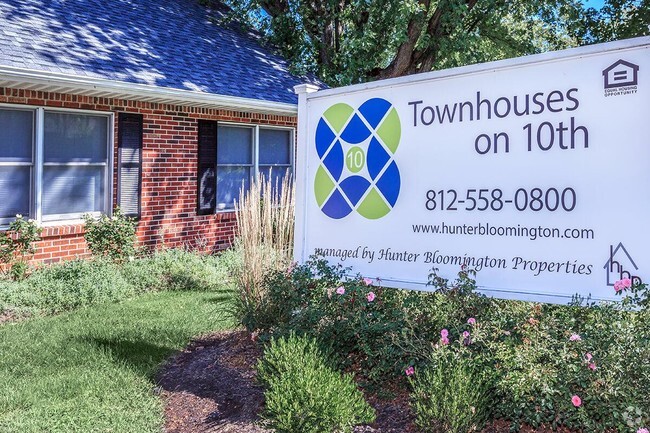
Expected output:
(533, 171)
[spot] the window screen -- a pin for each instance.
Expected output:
(16, 135)
(75, 163)
(275, 154)
(14, 191)
(75, 138)
(234, 163)
(72, 190)
(275, 147)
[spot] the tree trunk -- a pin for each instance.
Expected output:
(408, 60)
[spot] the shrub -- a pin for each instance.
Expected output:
(379, 336)
(526, 349)
(306, 395)
(77, 283)
(356, 318)
(112, 237)
(599, 354)
(451, 394)
(17, 243)
(68, 285)
(176, 269)
(542, 355)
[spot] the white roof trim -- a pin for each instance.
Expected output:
(47, 81)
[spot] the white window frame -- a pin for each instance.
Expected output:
(256, 153)
(36, 187)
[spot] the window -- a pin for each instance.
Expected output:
(275, 153)
(54, 164)
(16, 162)
(235, 163)
(242, 152)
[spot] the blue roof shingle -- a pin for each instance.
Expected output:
(166, 43)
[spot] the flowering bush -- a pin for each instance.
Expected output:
(112, 237)
(17, 243)
(355, 317)
(583, 368)
(635, 295)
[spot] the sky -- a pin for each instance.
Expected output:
(596, 4)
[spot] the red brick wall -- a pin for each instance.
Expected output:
(169, 166)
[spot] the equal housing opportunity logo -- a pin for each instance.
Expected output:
(357, 171)
(621, 78)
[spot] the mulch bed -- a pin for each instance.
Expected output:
(210, 387)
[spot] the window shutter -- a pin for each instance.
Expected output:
(207, 168)
(129, 163)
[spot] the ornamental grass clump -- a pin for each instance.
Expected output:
(264, 240)
(304, 394)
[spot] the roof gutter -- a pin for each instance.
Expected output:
(47, 81)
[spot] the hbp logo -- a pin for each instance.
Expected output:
(357, 170)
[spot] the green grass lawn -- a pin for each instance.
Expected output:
(92, 370)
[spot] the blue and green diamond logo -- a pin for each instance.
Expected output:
(357, 170)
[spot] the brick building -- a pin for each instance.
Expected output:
(153, 106)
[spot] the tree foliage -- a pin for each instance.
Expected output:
(618, 19)
(350, 41)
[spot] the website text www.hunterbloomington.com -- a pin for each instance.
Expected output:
(486, 229)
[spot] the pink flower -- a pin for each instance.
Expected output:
(623, 284)
(471, 321)
(444, 341)
(466, 334)
(575, 337)
(592, 366)
(340, 290)
(444, 333)
(409, 371)
(371, 297)
(588, 356)
(642, 430)
(367, 281)
(577, 402)
(618, 286)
